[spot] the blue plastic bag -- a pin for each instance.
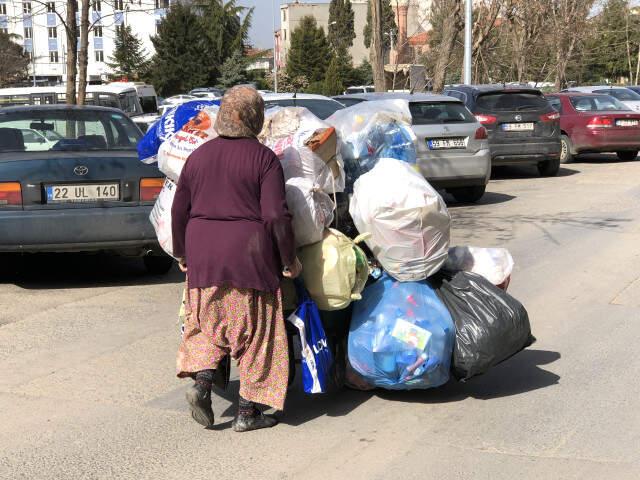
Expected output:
(401, 336)
(316, 355)
(170, 122)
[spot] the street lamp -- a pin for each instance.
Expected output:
(275, 46)
(468, 32)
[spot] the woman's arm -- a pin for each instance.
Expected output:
(276, 216)
(180, 212)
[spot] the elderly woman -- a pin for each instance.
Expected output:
(232, 234)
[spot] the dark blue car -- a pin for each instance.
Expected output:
(70, 181)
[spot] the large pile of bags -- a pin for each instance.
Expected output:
(374, 240)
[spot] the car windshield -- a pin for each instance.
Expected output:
(623, 94)
(66, 130)
(431, 113)
(320, 108)
(511, 101)
(597, 103)
(347, 102)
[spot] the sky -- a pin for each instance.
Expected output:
(261, 34)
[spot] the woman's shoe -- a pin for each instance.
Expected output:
(255, 421)
(199, 399)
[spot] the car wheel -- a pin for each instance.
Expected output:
(549, 168)
(565, 150)
(627, 156)
(158, 264)
(468, 194)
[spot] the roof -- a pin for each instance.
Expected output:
(116, 87)
(419, 39)
(410, 97)
(574, 94)
(298, 96)
(54, 107)
(494, 87)
(591, 88)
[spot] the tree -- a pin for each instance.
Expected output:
(446, 17)
(129, 59)
(178, 64)
(341, 25)
(233, 70)
(377, 56)
(362, 75)
(83, 53)
(286, 83)
(71, 29)
(309, 54)
(332, 81)
(389, 26)
(15, 61)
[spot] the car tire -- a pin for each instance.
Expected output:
(627, 156)
(550, 168)
(468, 194)
(565, 150)
(158, 264)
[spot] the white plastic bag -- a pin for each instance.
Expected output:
(175, 150)
(160, 216)
(494, 264)
(287, 131)
(408, 220)
(311, 208)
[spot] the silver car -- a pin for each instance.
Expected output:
(453, 149)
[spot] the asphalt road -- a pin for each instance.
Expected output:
(87, 355)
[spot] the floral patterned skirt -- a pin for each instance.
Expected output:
(248, 325)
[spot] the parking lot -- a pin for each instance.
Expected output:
(87, 354)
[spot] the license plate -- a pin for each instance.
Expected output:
(436, 144)
(517, 127)
(623, 122)
(82, 192)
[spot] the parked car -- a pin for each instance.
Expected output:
(626, 95)
(453, 151)
(207, 92)
(173, 101)
(86, 192)
(360, 89)
(348, 99)
(596, 123)
(321, 106)
(523, 128)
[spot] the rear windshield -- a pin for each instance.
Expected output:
(511, 101)
(320, 108)
(66, 130)
(596, 103)
(431, 113)
(623, 94)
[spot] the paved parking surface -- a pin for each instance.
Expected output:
(87, 353)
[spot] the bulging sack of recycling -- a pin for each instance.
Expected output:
(494, 264)
(306, 146)
(491, 325)
(335, 270)
(408, 220)
(311, 209)
(160, 216)
(175, 150)
(169, 123)
(401, 336)
(373, 130)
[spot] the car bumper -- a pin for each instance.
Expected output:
(606, 140)
(78, 229)
(525, 152)
(444, 171)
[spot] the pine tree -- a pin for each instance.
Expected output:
(341, 25)
(179, 63)
(129, 59)
(332, 81)
(233, 70)
(388, 25)
(15, 61)
(309, 54)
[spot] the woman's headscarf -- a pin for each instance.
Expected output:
(241, 113)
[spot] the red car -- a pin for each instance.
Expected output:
(593, 123)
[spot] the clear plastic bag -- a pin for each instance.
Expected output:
(408, 220)
(401, 336)
(160, 216)
(494, 264)
(311, 209)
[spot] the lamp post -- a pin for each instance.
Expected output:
(275, 46)
(468, 32)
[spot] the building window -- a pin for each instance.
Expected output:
(53, 32)
(97, 6)
(97, 32)
(162, 3)
(99, 56)
(3, 8)
(4, 30)
(51, 7)
(285, 34)
(119, 29)
(29, 56)
(53, 57)
(284, 15)
(28, 32)
(26, 7)
(119, 5)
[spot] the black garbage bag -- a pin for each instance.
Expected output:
(491, 325)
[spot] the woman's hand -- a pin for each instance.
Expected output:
(293, 270)
(182, 265)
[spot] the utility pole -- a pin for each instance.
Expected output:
(468, 32)
(377, 55)
(275, 47)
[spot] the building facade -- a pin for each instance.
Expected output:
(39, 26)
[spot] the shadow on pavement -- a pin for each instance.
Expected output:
(489, 198)
(514, 172)
(69, 270)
